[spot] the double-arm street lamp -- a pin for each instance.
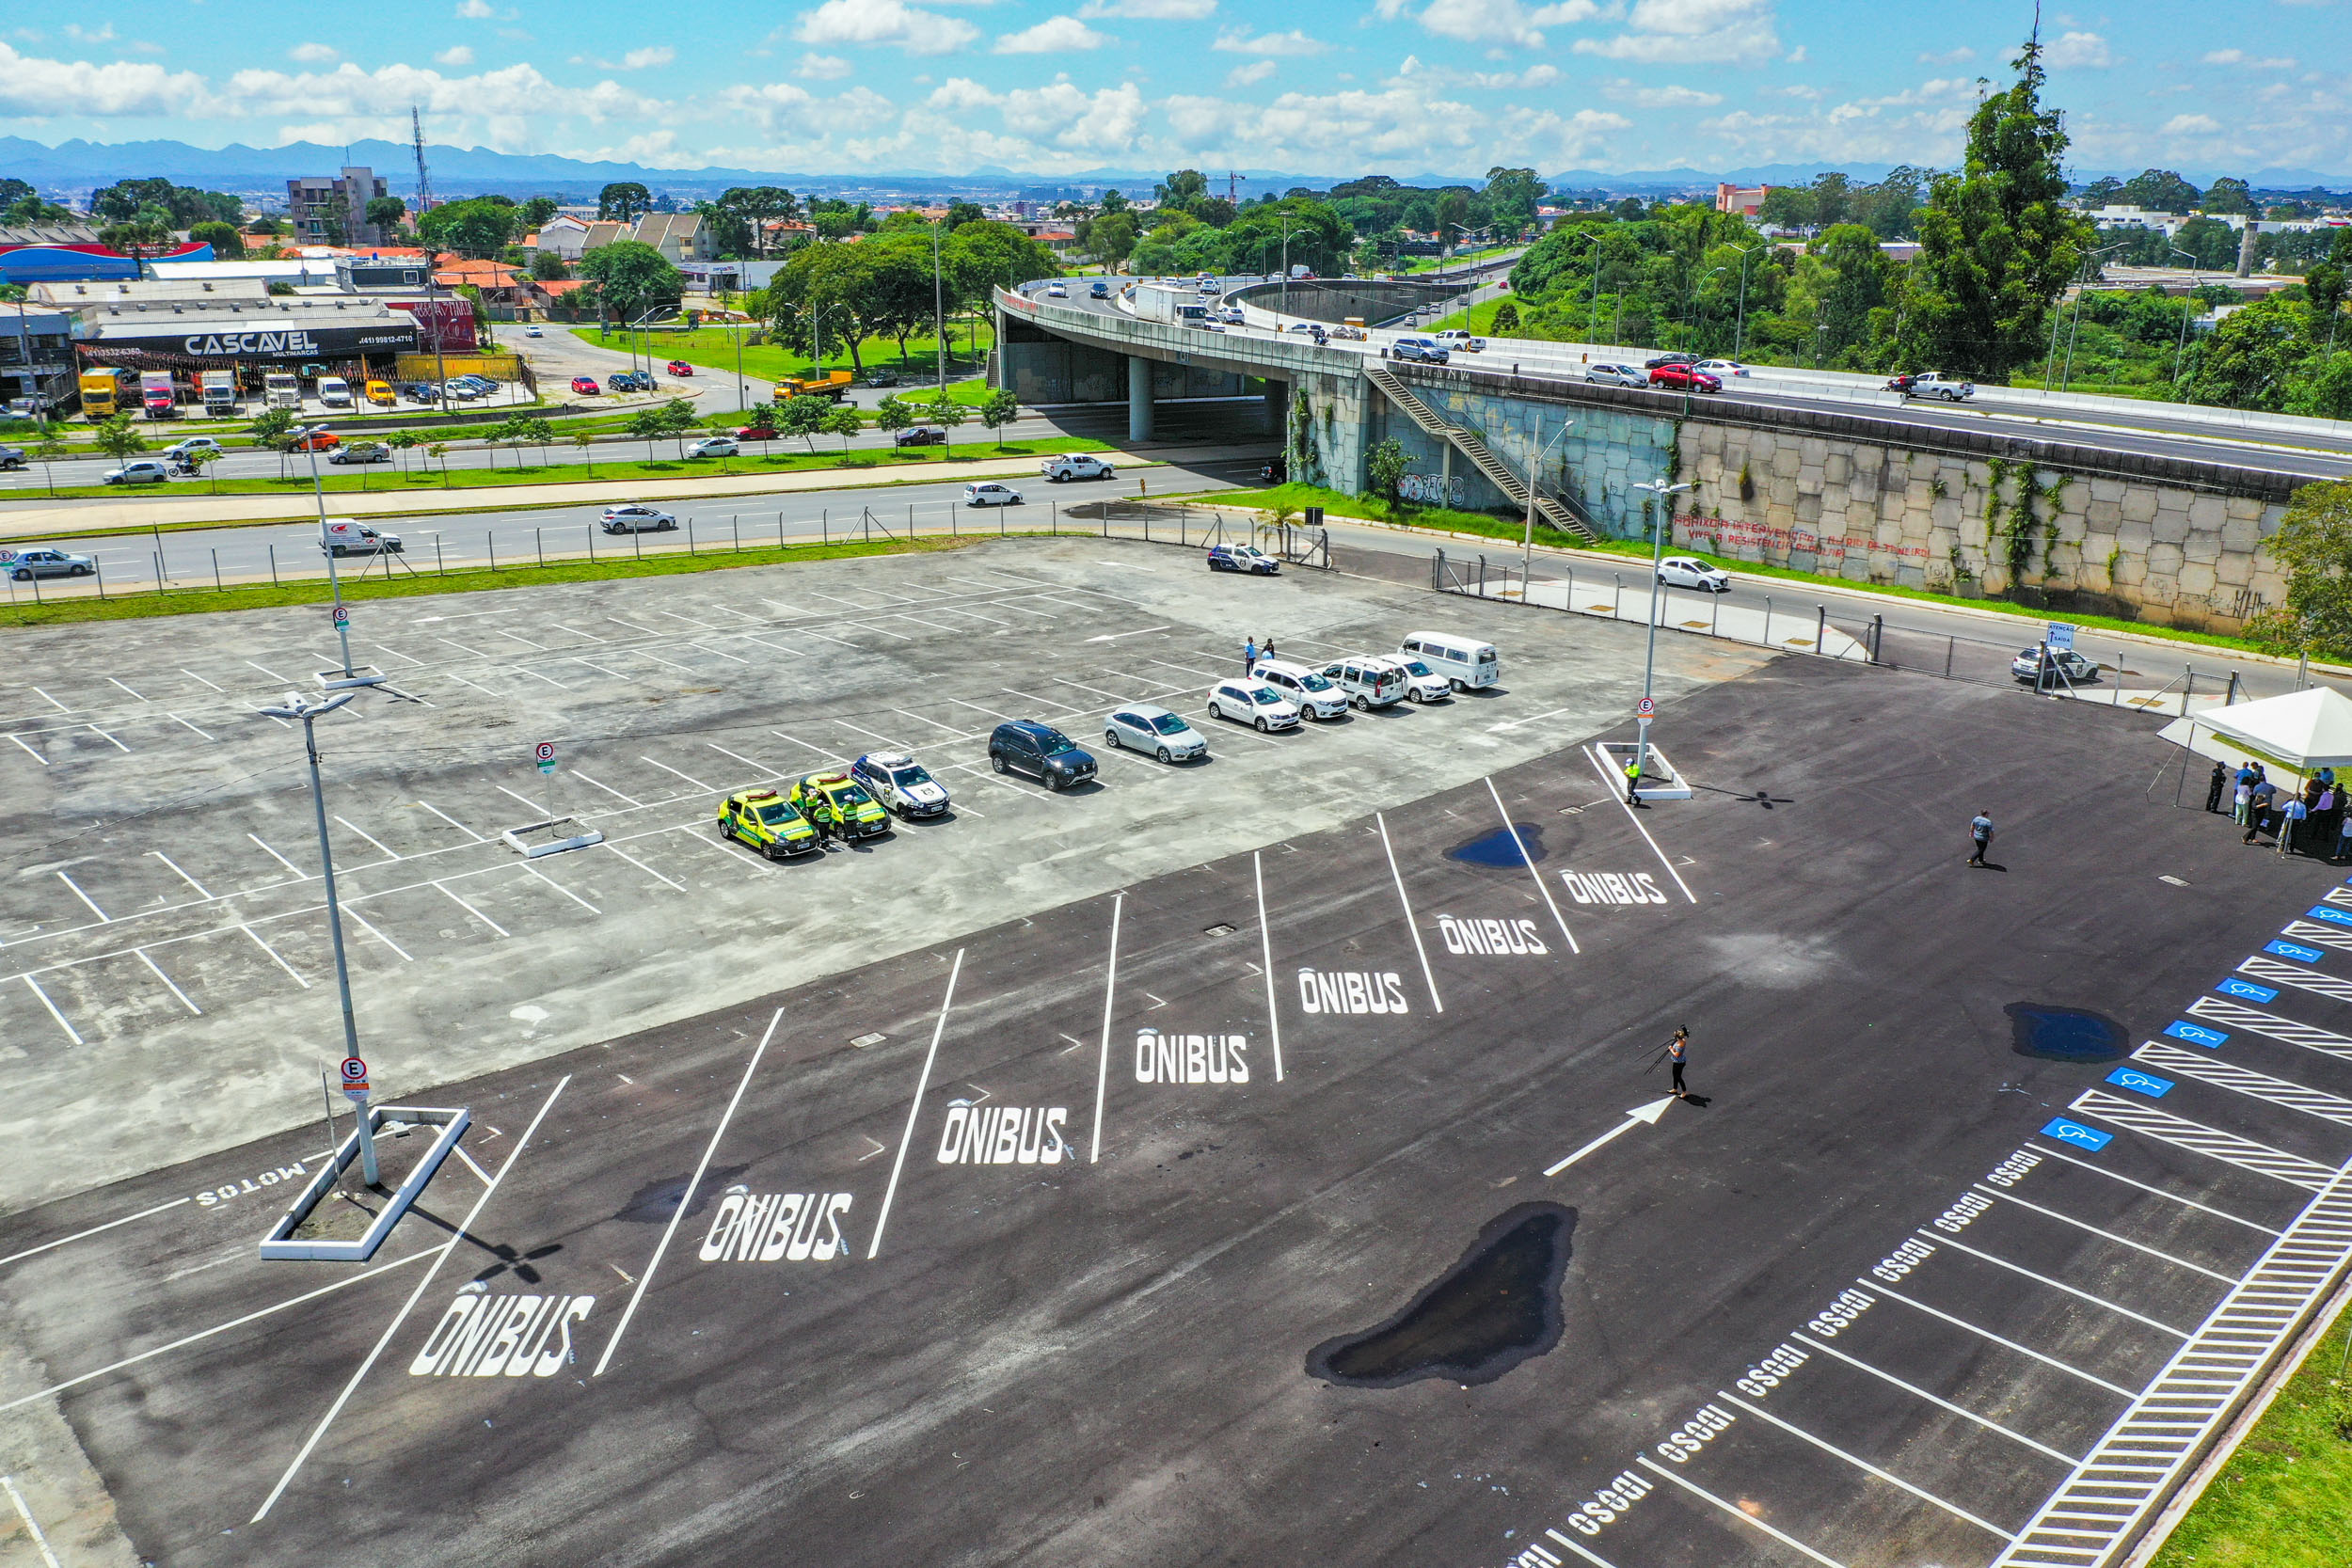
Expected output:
(1661, 519)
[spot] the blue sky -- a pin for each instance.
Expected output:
(1329, 86)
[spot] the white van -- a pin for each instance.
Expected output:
(343, 536)
(1465, 663)
(1369, 681)
(1317, 697)
(334, 391)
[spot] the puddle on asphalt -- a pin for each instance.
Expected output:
(655, 1201)
(1496, 848)
(2064, 1033)
(1497, 1306)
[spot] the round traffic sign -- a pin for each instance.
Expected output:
(342, 615)
(355, 1071)
(1645, 709)
(546, 750)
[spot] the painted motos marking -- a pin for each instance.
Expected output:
(1191, 1058)
(1003, 1136)
(1351, 990)
(1490, 938)
(482, 1334)
(242, 1185)
(1623, 889)
(768, 1228)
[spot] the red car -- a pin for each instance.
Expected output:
(587, 385)
(1676, 378)
(756, 433)
(679, 367)
(317, 440)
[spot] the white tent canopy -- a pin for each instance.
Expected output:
(2299, 732)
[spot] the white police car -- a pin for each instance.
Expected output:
(899, 782)
(1243, 557)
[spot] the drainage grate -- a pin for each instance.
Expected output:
(1220, 930)
(862, 1041)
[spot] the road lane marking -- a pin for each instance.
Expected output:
(1816, 1342)
(1881, 1287)
(168, 985)
(93, 1230)
(1512, 827)
(1103, 1062)
(1944, 1240)
(402, 1316)
(2190, 1202)
(1864, 1465)
(1630, 816)
(1739, 1513)
(685, 1197)
(1410, 924)
(914, 1107)
(2121, 1241)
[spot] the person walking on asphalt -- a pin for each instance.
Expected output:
(2213, 788)
(1634, 781)
(1266, 650)
(1249, 656)
(1677, 1050)
(1980, 835)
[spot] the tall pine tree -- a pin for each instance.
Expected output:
(1997, 242)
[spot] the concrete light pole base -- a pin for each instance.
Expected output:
(1660, 781)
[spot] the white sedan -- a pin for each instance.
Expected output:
(990, 493)
(1688, 571)
(713, 446)
(636, 518)
(1723, 367)
(1249, 702)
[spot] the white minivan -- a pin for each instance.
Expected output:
(1316, 698)
(1465, 663)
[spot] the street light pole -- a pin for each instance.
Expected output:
(1739, 334)
(939, 310)
(1527, 548)
(309, 712)
(334, 578)
(1665, 495)
(2188, 304)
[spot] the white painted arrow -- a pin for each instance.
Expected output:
(1650, 1113)
(1113, 637)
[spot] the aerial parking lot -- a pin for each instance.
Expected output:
(1259, 1160)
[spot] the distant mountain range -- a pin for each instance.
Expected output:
(76, 166)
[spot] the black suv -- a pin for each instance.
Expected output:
(1656, 360)
(1026, 746)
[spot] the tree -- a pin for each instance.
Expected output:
(623, 201)
(2247, 360)
(947, 413)
(1996, 241)
(2160, 190)
(632, 277)
(2105, 192)
(384, 213)
(842, 420)
(1113, 202)
(1511, 197)
(2228, 195)
(32, 209)
(118, 439)
(1846, 273)
(201, 458)
(139, 238)
(587, 446)
(122, 200)
(892, 414)
(1384, 469)
(547, 267)
(2314, 543)
(747, 210)
(228, 244)
(1109, 239)
(999, 410)
(675, 418)
(803, 417)
(13, 190)
(1506, 318)
(537, 211)
(48, 450)
(402, 442)
(478, 229)
(961, 213)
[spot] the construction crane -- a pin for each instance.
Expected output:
(424, 188)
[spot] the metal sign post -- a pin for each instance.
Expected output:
(355, 1089)
(544, 754)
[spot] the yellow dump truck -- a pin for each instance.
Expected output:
(835, 386)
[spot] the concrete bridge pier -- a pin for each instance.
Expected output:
(1278, 408)
(1139, 398)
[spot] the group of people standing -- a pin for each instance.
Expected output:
(2311, 820)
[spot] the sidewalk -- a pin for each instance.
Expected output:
(1741, 625)
(41, 520)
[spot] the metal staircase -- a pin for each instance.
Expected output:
(1560, 511)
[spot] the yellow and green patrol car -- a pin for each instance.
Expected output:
(838, 804)
(764, 820)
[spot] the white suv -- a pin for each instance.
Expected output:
(1413, 346)
(1368, 681)
(1248, 702)
(1075, 464)
(1316, 698)
(990, 493)
(1454, 338)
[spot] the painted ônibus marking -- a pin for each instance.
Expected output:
(481, 1334)
(1172, 1058)
(1493, 938)
(1622, 889)
(767, 1228)
(1351, 990)
(1004, 1135)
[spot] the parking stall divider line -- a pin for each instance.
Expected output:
(642, 866)
(950, 733)
(157, 971)
(2189, 1202)
(808, 745)
(885, 740)
(198, 679)
(1102, 1060)
(1512, 827)
(606, 787)
(369, 927)
(31, 1524)
(686, 1198)
(388, 854)
(1412, 925)
(536, 806)
(464, 1227)
(185, 724)
(1881, 1288)
(1816, 1342)
(1739, 1513)
(29, 751)
(1864, 1465)
(184, 876)
(1612, 787)
(265, 947)
(1944, 1240)
(1266, 951)
(95, 1229)
(915, 1108)
(2109, 1235)
(110, 739)
(104, 917)
(472, 910)
(2259, 1085)
(452, 821)
(738, 756)
(72, 1032)
(1592, 1557)
(688, 777)
(559, 887)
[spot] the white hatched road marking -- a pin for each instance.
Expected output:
(2228, 1147)
(2311, 930)
(2296, 975)
(2238, 1015)
(2261, 1085)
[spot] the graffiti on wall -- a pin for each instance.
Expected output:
(1433, 490)
(1731, 536)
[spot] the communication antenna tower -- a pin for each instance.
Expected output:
(425, 187)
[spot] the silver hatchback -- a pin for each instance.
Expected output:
(1142, 727)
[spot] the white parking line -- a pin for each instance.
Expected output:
(402, 1316)
(263, 668)
(398, 655)
(127, 688)
(379, 936)
(1103, 1061)
(1265, 950)
(686, 1198)
(1739, 1513)
(607, 788)
(29, 751)
(1987, 1334)
(561, 888)
(1865, 1467)
(72, 1032)
(778, 647)
(946, 730)
(300, 875)
(2055, 1285)
(915, 1108)
(976, 709)
(388, 854)
(61, 706)
(184, 876)
(808, 745)
(688, 619)
(104, 917)
(502, 631)
(2120, 1241)
(110, 739)
(79, 1235)
(1611, 788)
(707, 790)
(869, 734)
(706, 648)
(452, 821)
(2190, 1202)
(748, 762)
(175, 991)
(974, 614)
(1512, 827)
(1817, 1343)
(185, 724)
(642, 652)
(1410, 924)
(577, 632)
(274, 955)
(198, 679)
(472, 910)
(477, 653)
(642, 866)
(526, 670)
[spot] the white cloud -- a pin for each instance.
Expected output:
(1688, 32)
(103, 32)
(2239, 57)
(461, 55)
(780, 105)
(1293, 43)
(312, 53)
(2191, 125)
(1534, 77)
(475, 10)
(877, 21)
(1657, 95)
(2083, 51)
(822, 67)
(639, 59)
(1147, 10)
(1949, 56)
(1500, 21)
(1251, 74)
(1051, 37)
(33, 88)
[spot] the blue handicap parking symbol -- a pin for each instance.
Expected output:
(2330, 913)
(2197, 1034)
(2294, 950)
(2246, 989)
(2140, 1082)
(2074, 1132)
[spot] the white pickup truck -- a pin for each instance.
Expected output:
(1933, 384)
